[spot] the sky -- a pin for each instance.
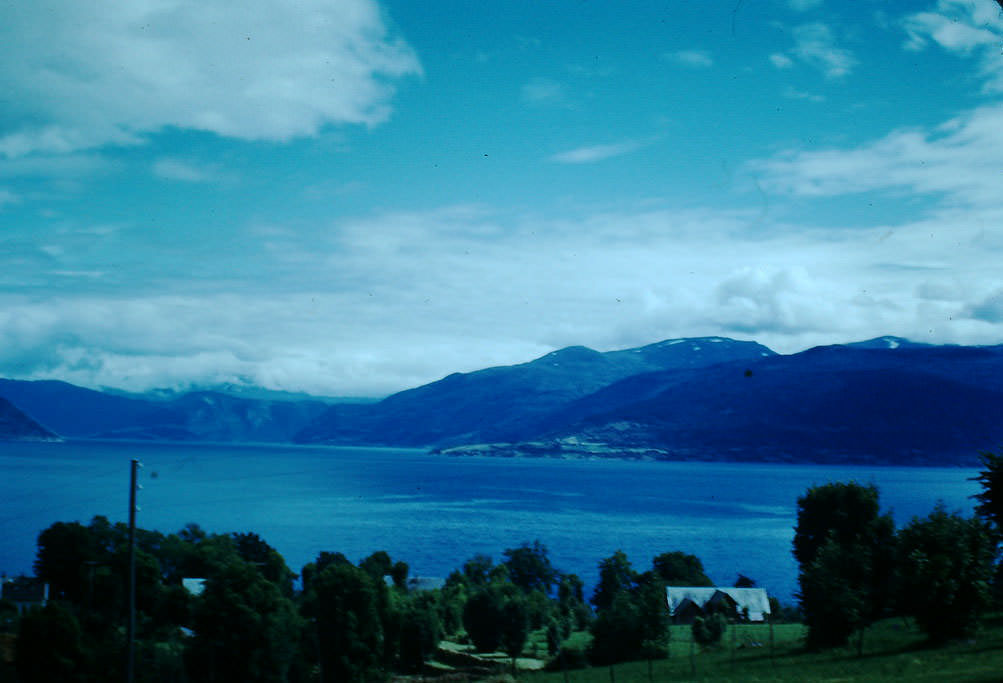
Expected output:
(351, 197)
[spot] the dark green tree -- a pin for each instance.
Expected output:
(63, 551)
(615, 576)
(477, 570)
(680, 569)
(324, 560)
(990, 499)
(420, 633)
(482, 618)
(399, 572)
(377, 565)
(254, 550)
(245, 629)
(618, 632)
(850, 584)
(575, 614)
(947, 562)
(514, 626)
(343, 608)
(49, 646)
(529, 567)
(834, 593)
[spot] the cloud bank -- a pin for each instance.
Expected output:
(97, 73)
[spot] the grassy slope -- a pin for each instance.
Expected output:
(894, 650)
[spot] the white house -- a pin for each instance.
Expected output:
(688, 602)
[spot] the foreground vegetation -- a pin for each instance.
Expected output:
(874, 603)
(895, 650)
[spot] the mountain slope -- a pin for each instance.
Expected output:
(899, 403)
(508, 402)
(16, 426)
(204, 416)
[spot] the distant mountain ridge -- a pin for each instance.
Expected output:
(885, 400)
(872, 402)
(511, 402)
(75, 412)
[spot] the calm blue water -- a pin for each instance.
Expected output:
(434, 512)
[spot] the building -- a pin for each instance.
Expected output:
(689, 602)
(25, 592)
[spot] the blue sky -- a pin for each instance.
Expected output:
(350, 198)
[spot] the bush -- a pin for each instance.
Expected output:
(708, 631)
(569, 657)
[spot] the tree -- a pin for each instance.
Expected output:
(245, 629)
(529, 567)
(399, 572)
(514, 626)
(680, 569)
(343, 607)
(615, 576)
(420, 632)
(49, 646)
(633, 618)
(571, 603)
(324, 560)
(253, 549)
(990, 506)
(477, 570)
(845, 551)
(617, 633)
(482, 618)
(945, 571)
(63, 550)
(377, 565)
(834, 593)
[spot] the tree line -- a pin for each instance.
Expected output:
(363, 621)
(345, 621)
(943, 570)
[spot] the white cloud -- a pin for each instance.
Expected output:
(781, 61)
(966, 27)
(543, 91)
(795, 94)
(989, 309)
(185, 171)
(587, 155)
(697, 59)
(380, 303)
(958, 160)
(816, 47)
(96, 73)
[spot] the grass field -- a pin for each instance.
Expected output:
(893, 650)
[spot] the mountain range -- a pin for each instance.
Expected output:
(886, 400)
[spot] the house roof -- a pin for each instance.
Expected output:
(193, 586)
(25, 589)
(755, 600)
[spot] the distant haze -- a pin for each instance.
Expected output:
(352, 198)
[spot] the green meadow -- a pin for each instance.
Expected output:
(893, 650)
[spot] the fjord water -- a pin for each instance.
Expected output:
(434, 512)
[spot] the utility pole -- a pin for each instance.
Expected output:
(130, 635)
